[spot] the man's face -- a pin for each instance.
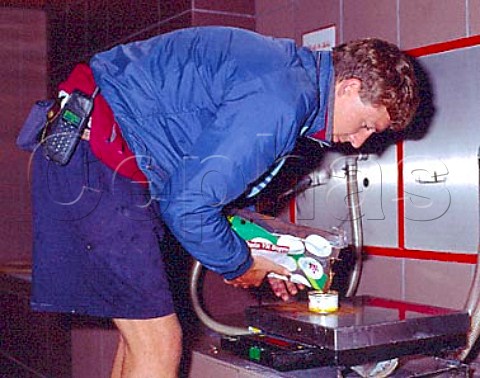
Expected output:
(354, 121)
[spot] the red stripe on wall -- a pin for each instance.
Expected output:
(403, 307)
(445, 46)
(400, 197)
(291, 210)
(464, 258)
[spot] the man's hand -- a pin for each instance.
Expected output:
(284, 289)
(256, 274)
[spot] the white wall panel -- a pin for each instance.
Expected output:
(441, 169)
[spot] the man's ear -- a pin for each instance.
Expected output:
(348, 86)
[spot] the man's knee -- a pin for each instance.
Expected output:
(152, 336)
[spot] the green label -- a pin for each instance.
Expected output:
(248, 230)
(254, 353)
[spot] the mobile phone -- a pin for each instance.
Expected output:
(63, 133)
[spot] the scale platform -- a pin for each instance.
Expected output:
(364, 329)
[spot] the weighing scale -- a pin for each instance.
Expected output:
(364, 329)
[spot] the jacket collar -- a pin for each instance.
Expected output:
(321, 128)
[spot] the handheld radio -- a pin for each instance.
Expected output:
(63, 132)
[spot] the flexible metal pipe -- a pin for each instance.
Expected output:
(206, 319)
(472, 304)
(474, 329)
(353, 201)
(474, 292)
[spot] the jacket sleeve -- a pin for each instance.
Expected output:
(252, 130)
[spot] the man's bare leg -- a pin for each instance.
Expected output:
(152, 348)
(118, 361)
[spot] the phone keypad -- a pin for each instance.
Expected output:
(61, 139)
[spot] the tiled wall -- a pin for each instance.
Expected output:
(82, 27)
(23, 80)
(409, 24)
(238, 13)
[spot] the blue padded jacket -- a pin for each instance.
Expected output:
(207, 112)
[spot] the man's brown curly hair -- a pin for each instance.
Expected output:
(386, 73)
